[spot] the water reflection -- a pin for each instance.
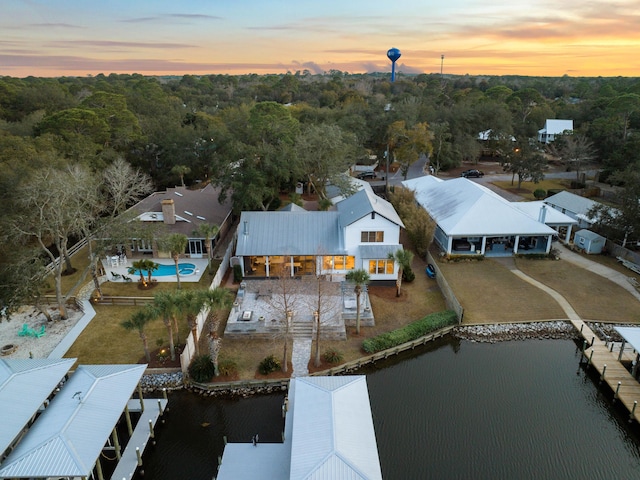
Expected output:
(459, 410)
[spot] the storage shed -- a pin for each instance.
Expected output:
(589, 241)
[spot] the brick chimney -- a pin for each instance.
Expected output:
(169, 212)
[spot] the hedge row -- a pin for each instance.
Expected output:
(410, 332)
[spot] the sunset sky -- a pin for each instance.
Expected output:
(86, 37)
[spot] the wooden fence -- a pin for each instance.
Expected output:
(135, 301)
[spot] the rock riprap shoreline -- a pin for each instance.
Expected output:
(556, 330)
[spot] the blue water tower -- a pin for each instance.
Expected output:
(393, 54)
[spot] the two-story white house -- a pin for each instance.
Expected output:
(360, 233)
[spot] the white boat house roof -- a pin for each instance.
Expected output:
(461, 207)
(25, 385)
(329, 435)
(69, 436)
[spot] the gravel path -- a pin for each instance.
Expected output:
(31, 346)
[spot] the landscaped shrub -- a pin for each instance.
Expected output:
(408, 275)
(410, 332)
(237, 273)
(324, 204)
(201, 369)
(332, 355)
(539, 193)
(269, 364)
(227, 368)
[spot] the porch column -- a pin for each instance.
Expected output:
(266, 265)
(549, 240)
(568, 237)
(484, 245)
(449, 245)
(515, 244)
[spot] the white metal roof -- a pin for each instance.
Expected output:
(378, 251)
(554, 126)
(333, 434)
(68, 437)
(631, 336)
(551, 215)
(24, 386)
(288, 233)
(571, 202)
(465, 208)
(361, 204)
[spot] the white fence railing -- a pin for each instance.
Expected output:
(189, 348)
(72, 251)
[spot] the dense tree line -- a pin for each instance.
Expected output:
(257, 136)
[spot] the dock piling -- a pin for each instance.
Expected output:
(615, 396)
(604, 369)
(139, 455)
(632, 415)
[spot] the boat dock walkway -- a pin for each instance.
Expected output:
(132, 455)
(605, 358)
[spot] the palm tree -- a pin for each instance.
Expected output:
(165, 305)
(403, 258)
(143, 265)
(181, 171)
(208, 231)
(360, 277)
(175, 244)
(138, 321)
(190, 303)
(216, 299)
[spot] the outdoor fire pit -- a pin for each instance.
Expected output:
(8, 349)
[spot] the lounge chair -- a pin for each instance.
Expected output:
(127, 279)
(40, 333)
(116, 276)
(25, 331)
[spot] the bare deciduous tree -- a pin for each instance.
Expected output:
(285, 299)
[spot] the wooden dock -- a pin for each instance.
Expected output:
(153, 410)
(604, 357)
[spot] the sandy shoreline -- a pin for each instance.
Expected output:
(28, 346)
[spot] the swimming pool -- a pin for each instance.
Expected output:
(165, 270)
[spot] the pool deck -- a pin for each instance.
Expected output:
(200, 263)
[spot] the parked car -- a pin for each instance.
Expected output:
(473, 173)
(367, 175)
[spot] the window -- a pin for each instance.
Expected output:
(338, 262)
(370, 237)
(379, 267)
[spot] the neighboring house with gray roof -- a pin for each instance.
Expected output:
(360, 233)
(574, 206)
(180, 210)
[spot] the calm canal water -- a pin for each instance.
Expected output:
(458, 410)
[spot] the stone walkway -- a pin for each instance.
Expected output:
(300, 357)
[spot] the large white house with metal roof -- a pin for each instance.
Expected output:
(328, 434)
(360, 233)
(473, 220)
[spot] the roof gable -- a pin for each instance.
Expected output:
(361, 204)
(333, 435)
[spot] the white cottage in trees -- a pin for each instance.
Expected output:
(360, 233)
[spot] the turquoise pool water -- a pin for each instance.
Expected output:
(164, 270)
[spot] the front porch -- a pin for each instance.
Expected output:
(498, 246)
